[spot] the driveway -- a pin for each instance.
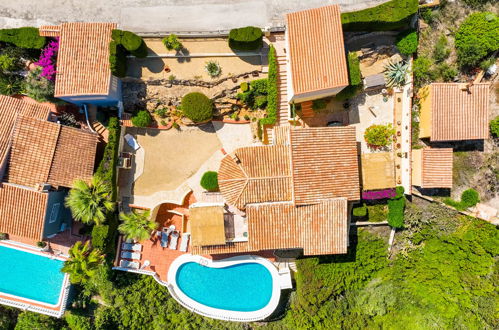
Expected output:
(163, 15)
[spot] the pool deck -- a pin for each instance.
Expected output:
(28, 304)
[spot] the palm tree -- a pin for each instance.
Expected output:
(396, 73)
(137, 226)
(89, 203)
(83, 263)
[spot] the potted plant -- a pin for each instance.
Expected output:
(3, 236)
(42, 245)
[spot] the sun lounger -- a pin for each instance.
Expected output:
(129, 264)
(184, 242)
(131, 247)
(173, 240)
(130, 255)
(130, 140)
(164, 239)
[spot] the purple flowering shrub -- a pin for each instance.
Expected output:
(379, 194)
(47, 60)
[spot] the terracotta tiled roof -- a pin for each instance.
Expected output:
(262, 175)
(50, 30)
(22, 212)
(325, 164)
(46, 152)
(319, 228)
(83, 59)
(10, 108)
(436, 168)
(458, 114)
(316, 49)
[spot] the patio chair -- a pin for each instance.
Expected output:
(131, 247)
(130, 255)
(173, 240)
(129, 264)
(164, 239)
(184, 242)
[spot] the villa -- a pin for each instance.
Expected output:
(39, 160)
(454, 112)
(83, 69)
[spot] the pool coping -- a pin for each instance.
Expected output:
(217, 313)
(56, 310)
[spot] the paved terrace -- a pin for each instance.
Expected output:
(164, 15)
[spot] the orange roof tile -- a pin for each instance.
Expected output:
(316, 49)
(83, 59)
(46, 152)
(436, 168)
(319, 228)
(49, 30)
(10, 108)
(22, 212)
(458, 114)
(229, 247)
(325, 164)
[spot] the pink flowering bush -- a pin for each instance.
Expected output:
(47, 60)
(379, 194)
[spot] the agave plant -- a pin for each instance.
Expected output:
(213, 69)
(396, 73)
(137, 226)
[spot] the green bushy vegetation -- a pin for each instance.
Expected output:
(142, 119)
(24, 37)
(122, 44)
(469, 198)
(246, 38)
(494, 127)
(197, 107)
(477, 37)
(354, 78)
(255, 95)
(378, 136)
(209, 181)
(117, 59)
(272, 103)
(377, 212)
(35, 86)
(360, 211)
(387, 16)
(396, 206)
(172, 43)
(407, 42)
(100, 235)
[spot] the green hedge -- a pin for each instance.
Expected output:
(122, 44)
(354, 75)
(387, 16)
(25, 37)
(396, 206)
(407, 42)
(246, 38)
(117, 59)
(209, 181)
(197, 107)
(272, 103)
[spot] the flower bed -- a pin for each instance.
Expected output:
(47, 60)
(378, 194)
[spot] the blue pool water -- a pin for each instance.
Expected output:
(30, 276)
(243, 287)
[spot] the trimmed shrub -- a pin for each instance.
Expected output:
(117, 59)
(123, 43)
(129, 40)
(470, 197)
(142, 119)
(140, 52)
(477, 36)
(209, 181)
(271, 92)
(360, 211)
(494, 127)
(197, 107)
(244, 86)
(24, 37)
(407, 42)
(396, 207)
(387, 16)
(379, 135)
(100, 235)
(246, 38)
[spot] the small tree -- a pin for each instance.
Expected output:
(89, 203)
(142, 119)
(209, 181)
(82, 263)
(378, 136)
(137, 225)
(172, 43)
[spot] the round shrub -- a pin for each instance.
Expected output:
(246, 38)
(209, 181)
(140, 52)
(142, 119)
(197, 107)
(470, 197)
(494, 127)
(476, 37)
(127, 39)
(379, 135)
(407, 42)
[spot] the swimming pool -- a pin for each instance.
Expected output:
(242, 288)
(31, 276)
(232, 287)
